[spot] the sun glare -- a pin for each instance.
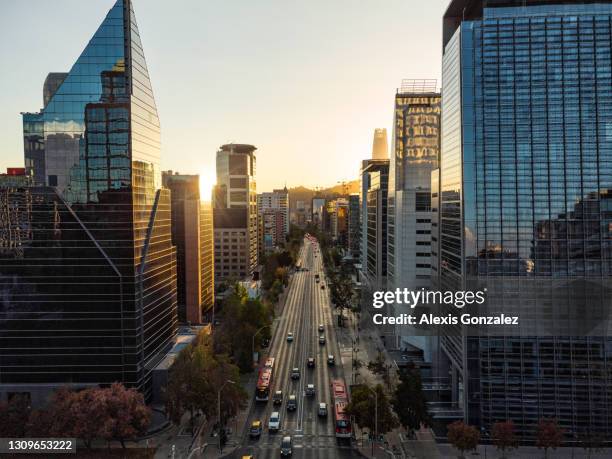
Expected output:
(207, 182)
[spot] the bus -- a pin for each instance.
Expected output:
(264, 381)
(342, 422)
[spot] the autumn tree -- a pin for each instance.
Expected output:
(367, 409)
(87, 408)
(124, 415)
(463, 436)
(409, 400)
(504, 437)
(549, 435)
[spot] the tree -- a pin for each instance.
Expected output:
(549, 435)
(87, 407)
(378, 366)
(463, 436)
(195, 379)
(504, 437)
(363, 407)
(188, 390)
(14, 416)
(125, 415)
(409, 400)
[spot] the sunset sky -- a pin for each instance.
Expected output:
(306, 82)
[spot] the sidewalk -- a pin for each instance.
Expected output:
(362, 342)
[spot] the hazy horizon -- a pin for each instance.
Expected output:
(306, 83)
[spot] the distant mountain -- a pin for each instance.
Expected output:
(301, 193)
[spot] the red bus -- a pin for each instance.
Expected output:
(264, 381)
(342, 422)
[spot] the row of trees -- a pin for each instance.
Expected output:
(241, 318)
(195, 379)
(113, 414)
(549, 436)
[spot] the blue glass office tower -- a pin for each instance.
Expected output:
(90, 298)
(526, 207)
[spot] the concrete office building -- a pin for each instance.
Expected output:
(416, 148)
(235, 213)
(192, 236)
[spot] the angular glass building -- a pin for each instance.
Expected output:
(525, 208)
(90, 298)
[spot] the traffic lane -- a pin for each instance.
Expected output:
(279, 349)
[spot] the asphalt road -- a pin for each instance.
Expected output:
(306, 307)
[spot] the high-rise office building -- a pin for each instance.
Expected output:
(380, 148)
(416, 148)
(192, 236)
(90, 297)
(525, 181)
(318, 207)
(235, 213)
(337, 214)
(354, 228)
(374, 182)
(273, 211)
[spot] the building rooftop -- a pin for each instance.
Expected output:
(238, 148)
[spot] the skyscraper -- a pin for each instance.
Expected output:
(416, 148)
(525, 182)
(90, 298)
(380, 148)
(192, 236)
(235, 213)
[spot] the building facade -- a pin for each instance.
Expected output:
(354, 227)
(524, 207)
(273, 212)
(191, 234)
(235, 213)
(375, 182)
(93, 290)
(337, 215)
(416, 149)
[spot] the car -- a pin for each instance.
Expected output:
(265, 343)
(289, 337)
(255, 430)
(310, 390)
(331, 360)
(295, 373)
(277, 398)
(310, 362)
(322, 339)
(317, 280)
(286, 447)
(322, 287)
(292, 403)
(321, 328)
(322, 412)
(248, 457)
(274, 422)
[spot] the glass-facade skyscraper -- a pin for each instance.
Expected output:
(91, 297)
(525, 210)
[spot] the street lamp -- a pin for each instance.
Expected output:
(375, 416)
(253, 341)
(229, 381)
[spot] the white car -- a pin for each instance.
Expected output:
(274, 422)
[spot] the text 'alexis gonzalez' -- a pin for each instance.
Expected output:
(414, 298)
